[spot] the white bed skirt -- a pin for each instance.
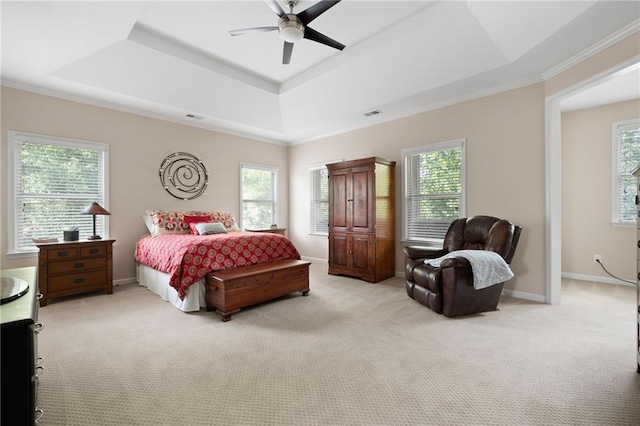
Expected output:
(158, 282)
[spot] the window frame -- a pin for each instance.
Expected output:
(274, 186)
(439, 146)
(617, 175)
(15, 137)
(313, 224)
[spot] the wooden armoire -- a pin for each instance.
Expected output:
(362, 218)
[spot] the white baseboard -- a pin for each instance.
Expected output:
(315, 260)
(123, 281)
(595, 278)
(524, 295)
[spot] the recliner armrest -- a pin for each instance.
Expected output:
(418, 252)
(459, 271)
(455, 262)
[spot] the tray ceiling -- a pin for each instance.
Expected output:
(169, 59)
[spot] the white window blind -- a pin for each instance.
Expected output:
(626, 157)
(319, 177)
(52, 180)
(433, 185)
(258, 195)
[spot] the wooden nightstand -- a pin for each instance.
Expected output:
(281, 231)
(74, 267)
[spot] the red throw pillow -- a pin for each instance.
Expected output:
(192, 220)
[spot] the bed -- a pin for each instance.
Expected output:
(224, 271)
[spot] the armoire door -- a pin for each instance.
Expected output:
(339, 250)
(339, 213)
(362, 254)
(352, 253)
(361, 195)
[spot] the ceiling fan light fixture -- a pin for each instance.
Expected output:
(291, 29)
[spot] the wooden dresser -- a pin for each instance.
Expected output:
(362, 218)
(75, 267)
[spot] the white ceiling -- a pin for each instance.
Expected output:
(623, 85)
(168, 59)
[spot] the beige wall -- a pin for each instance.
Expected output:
(505, 161)
(137, 146)
(587, 194)
(505, 169)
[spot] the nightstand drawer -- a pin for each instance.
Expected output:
(72, 281)
(78, 265)
(62, 254)
(93, 251)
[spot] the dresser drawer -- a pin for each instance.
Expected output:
(80, 280)
(62, 254)
(78, 265)
(93, 251)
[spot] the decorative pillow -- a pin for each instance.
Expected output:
(226, 219)
(192, 220)
(160, 222)
(165, 222)
(208, 228)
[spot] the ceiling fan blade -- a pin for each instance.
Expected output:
(273, 4)
(286, 53)
(252, 30)
(313, 35)
(316, 10)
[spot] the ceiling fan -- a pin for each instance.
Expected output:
(293, 27)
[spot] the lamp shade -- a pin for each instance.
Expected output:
(94, 208)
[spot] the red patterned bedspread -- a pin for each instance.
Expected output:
(187, 258)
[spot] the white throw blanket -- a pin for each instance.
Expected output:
(488, 267)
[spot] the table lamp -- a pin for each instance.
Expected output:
(94, 209)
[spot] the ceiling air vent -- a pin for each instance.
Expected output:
(195, 117)
(374, 112)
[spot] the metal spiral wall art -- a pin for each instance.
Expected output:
(184, 176)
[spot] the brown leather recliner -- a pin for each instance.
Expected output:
(448, 289)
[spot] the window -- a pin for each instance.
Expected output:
(51, 181)
(319, 199)
(433, 185)
(626, 157)
(258, 195)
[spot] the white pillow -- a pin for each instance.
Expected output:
(208, 228)
(148, 221)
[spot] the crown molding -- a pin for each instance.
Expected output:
(138, 111)
(619, 35)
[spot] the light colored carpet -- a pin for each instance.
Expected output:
(351, 353)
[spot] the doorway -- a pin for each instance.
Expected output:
(553, 172)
